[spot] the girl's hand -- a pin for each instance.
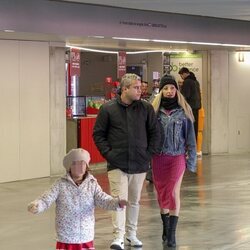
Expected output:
(33, 207)
(122, 203)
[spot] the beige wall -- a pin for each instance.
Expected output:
(219, 101)
(239, 103)
(230, 115)
(32, 98)
(9, 111)
(24, 109)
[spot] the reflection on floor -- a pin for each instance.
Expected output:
(214, 214)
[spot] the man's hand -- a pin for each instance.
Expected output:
(122, 203)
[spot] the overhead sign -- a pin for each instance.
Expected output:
(191, 61)
(121, 64)
(75, 62)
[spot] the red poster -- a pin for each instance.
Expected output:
(75, 62)
(121, 64)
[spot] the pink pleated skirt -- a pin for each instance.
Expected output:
(82, 246)
(167, 170)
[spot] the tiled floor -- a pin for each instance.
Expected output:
(214, 215)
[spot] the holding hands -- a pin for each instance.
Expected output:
(122, 203)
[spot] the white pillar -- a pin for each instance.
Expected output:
(57, 110)
(219, 102)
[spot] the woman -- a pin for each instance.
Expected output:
(177, 150)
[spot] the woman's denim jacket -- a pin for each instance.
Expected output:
(178, 136)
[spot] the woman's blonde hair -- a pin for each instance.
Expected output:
(181, 101)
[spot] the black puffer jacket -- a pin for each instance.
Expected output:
(127, 135)
(191, 91)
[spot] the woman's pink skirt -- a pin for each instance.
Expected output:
(82, 246)
(167, 170)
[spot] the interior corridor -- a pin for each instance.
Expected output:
(214, 214)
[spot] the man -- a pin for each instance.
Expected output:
(191, 91)
(126, 134)
(155, 89)
(144, 91)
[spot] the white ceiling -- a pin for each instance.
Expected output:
(232, 9)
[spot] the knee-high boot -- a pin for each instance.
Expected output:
(171, 231)
(165, 222)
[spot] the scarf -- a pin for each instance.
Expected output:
(169, 103)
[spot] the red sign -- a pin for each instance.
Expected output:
(121, 64)
(75, 62)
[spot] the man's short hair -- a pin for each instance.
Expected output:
(127, 80)
(183, 70)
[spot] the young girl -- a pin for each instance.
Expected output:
(76, 195)
(178, 150)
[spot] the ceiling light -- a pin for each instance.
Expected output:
(9, 31)
(167, 41)
(101, 37)
(92, 50)
(142, 52)
(154, 51)
(236, 45)
(202, 43)
(131, 39)
(127, 52)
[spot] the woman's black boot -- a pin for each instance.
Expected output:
(173, 220)
(165, 222)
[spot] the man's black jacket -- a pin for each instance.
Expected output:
(127, 135)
